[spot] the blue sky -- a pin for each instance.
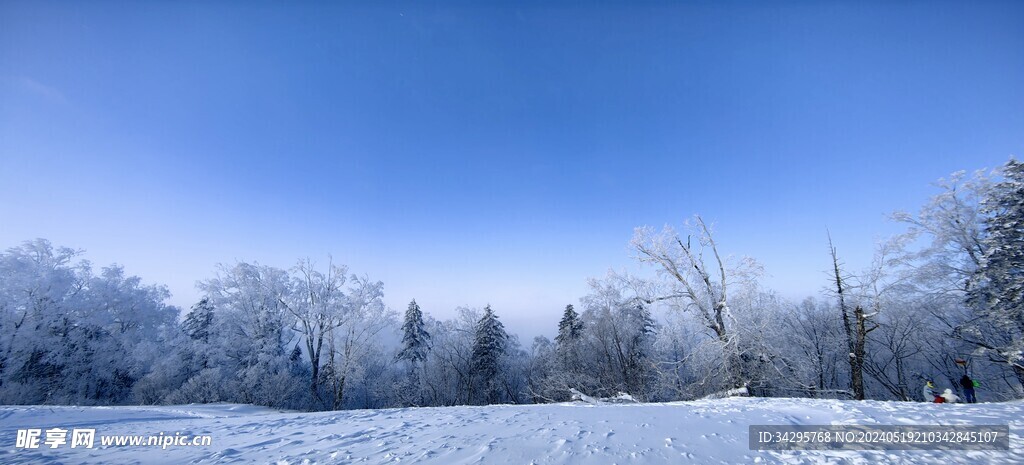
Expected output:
(490, 154)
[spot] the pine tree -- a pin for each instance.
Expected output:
(642, 324)
(636, 365)
(567, 348)
(415, 339)
(997, 288)
(197, 323)
(415, 344)
(570, 328)
(198, 326)
(489, 345)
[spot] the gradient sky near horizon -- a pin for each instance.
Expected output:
(468, 154)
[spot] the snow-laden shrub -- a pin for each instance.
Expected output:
(208, 386)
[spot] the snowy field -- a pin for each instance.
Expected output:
(711, 432)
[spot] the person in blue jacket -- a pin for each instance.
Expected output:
(968, 384)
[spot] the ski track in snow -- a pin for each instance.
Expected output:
(705, 432)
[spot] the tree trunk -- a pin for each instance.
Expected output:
(857, 356)
(854, 339)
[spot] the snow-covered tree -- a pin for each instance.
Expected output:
(997, 285)
(39, 285)
(541, 370)
(138, 321)
(946, 281)
(415, 338)
(353, 347)
(619, 339)
(198, 322)
(951, 223)
(448, 373)
(568, 342)
(253, 333)
(565, 365)
(815, 342)
(570, 328)
(857, 323)
(414, 348)
(897, 350)
(490, 343)
(69, 336)
(689, 283)
(318, 304)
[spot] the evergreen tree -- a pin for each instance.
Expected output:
(997, 287)
(197, 323)
(489, 345)
(198, 327)
(415, 339)
(570, 328)
(636, 366)
(567, 353)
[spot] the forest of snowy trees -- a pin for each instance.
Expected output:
(947, 290)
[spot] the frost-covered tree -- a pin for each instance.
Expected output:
(198, 322)
(637, 347)
(996, 288)
(815, 341)
(70, 336)
(254, 334)
(490, 343)
(197, 378)
(897, 350)
(415, 346)
(570, 328)
(448, 373)
(689, 283)
(541, 370)
(854, 327)
(39, 287)
(945, 280)
(415, 338)
(318, 305)
(473, 360)
(353, 347)
(951, 226)
(276, 327)
(568, 341)
(619, 337)
(567, 370)
(763, 342)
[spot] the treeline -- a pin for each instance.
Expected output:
(941, 299)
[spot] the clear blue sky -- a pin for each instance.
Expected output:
(490, 154)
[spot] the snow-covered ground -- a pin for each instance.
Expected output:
(710, 431)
